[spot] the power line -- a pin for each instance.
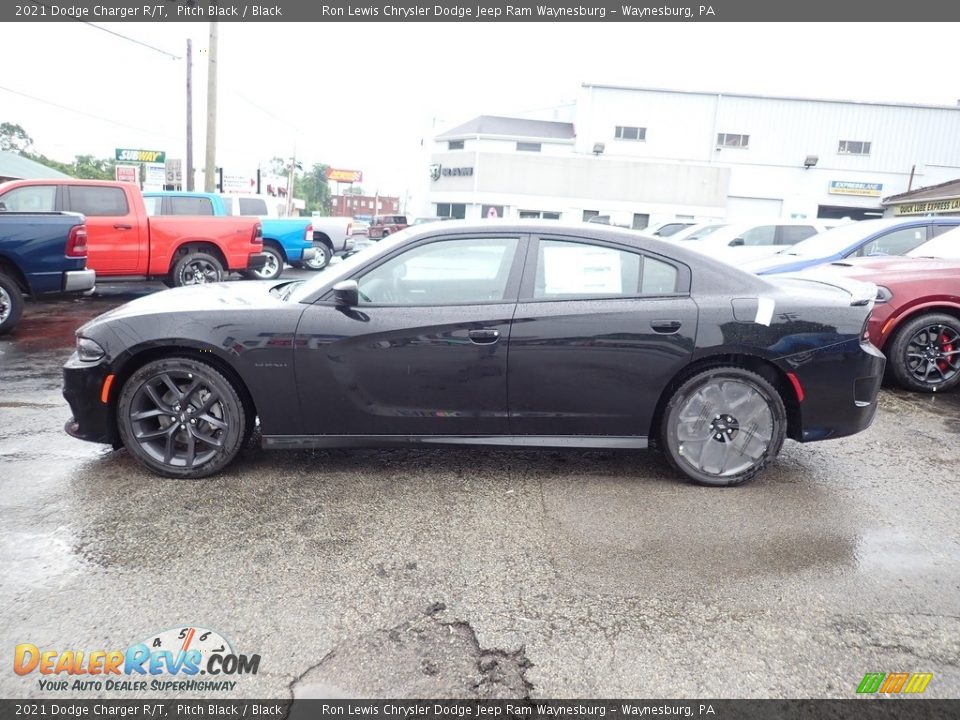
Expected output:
(81, 112)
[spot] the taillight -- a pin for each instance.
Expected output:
(257, 238)
(308, 235)
(77, 242)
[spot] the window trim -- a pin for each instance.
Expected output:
(510, 293)
(641, 133)
(733, 147)
(867, 143)
(530, 270)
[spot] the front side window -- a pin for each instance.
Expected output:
(792, 234)
(733, 140)
(446, 272)
(33, 198)
(570, 270)
(762, 235)
(895, 243)
(96, 201)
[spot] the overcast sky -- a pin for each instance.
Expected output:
(362, 95)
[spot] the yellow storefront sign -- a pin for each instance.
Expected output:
(928, 206)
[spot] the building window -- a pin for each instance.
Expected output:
(853, 147)
(539, 215)
(452, 210)
(528, 147)
(732, 140)
(626, 132)
(455, 145)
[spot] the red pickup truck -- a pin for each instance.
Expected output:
(123, 243)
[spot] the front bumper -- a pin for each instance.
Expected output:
(79, 280)
(82, 387)
(840, 384)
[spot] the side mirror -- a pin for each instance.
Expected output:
(346, 293)
(737, 242)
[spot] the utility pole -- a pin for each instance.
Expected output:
(210, 164)
(189, 115)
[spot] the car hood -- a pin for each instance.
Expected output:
(237, 295)
(875, 268)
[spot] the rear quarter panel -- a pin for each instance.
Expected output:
(36, 246)
(231, 235)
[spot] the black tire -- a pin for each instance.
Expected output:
(273, 268)
(321, 259)
(195, 268)
(714, 435)
(924, 355)
(11, 304)
(181, 418)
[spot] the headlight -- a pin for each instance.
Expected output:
(88, 350)
(883, 294)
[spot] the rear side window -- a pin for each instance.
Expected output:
(33, 198)
(569, 270)
(252, 206)
(792, 234)
(96, 201)
(190, 206)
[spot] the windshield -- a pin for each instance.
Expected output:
(836, 240)
(946, 246)
(342, 270)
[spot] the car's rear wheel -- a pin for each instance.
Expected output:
(321, 259)
(11, 304)
(272, 268)
(723, 425)
(181, 418)
(196, 268)
(925, 353)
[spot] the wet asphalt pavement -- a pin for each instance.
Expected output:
(476, 573)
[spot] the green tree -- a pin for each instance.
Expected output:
(90, 168)
(13, 138)
(311, 185)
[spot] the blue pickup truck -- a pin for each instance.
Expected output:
(285, 240)
(40, 254)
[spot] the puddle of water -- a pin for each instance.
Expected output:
(33, 559)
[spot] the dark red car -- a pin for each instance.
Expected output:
(383, 225)
(916, 319)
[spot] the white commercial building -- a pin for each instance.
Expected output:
(644, 155)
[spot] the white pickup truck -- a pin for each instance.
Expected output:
(331, 236)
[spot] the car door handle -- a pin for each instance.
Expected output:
(665, 326)
(122, 226)
(485, 336)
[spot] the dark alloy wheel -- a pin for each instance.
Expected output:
(11, 304)
(181, 418)
(925, 354)
(723, 426)
(196, 268)
(321, 259)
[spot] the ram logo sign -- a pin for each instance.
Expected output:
(894, 683)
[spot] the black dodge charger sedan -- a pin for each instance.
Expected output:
(487, 334)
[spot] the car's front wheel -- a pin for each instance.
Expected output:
(181, 418)
(925, 354)
(723, 425)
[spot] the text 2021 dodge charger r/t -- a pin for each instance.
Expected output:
(497, 334)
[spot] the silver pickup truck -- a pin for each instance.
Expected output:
(331, 236)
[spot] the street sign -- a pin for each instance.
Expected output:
(174, 168)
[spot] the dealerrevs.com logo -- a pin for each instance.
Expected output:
(180, 659)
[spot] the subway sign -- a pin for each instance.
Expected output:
(143, 156)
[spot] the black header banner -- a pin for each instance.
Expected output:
(855, 11)
(401, 709)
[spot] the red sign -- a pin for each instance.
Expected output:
(128, 173)
(346, 176)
